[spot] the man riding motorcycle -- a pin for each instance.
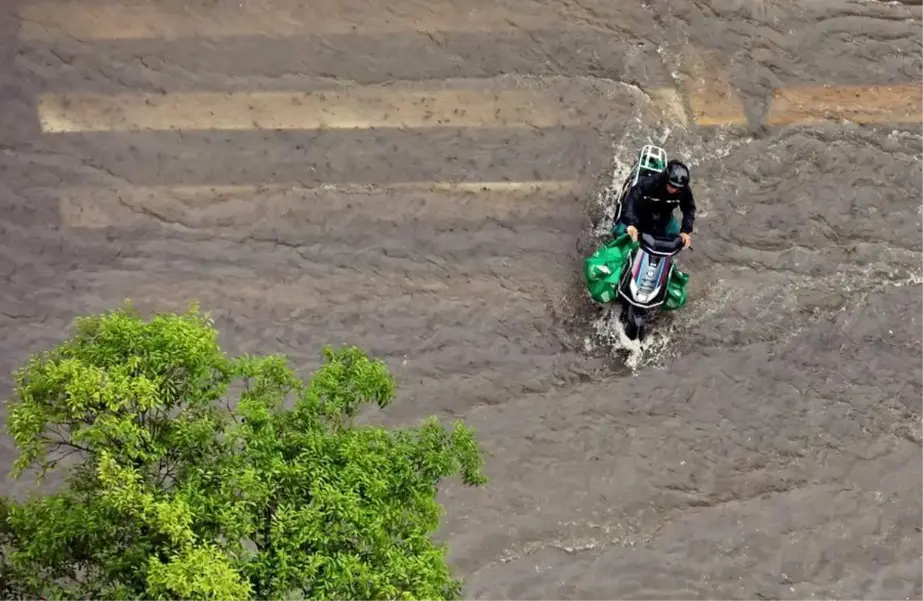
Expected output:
(649, 205)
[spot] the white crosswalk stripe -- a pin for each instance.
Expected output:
(493, 103)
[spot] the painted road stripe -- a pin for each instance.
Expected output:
(243, 206)
(489, 103)
(665, 105)
(171, 19)
(858, 104)
(706, 85)
(716, 107)
(503, 102)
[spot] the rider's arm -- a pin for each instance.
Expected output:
(632, 202)
(687, 206)
(630, 207)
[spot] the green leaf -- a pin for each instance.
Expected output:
(170, 494)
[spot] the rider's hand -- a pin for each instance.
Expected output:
(687, 239)
(633, 232)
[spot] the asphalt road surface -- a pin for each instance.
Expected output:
(420, 177)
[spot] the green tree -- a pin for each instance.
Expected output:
(174, 492)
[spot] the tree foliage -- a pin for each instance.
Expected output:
(175, 492)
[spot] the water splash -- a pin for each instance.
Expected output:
(606, 197)
(653, 351)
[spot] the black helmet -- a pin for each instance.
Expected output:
(677, 174)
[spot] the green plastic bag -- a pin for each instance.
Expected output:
(676, 290)
(603, 269)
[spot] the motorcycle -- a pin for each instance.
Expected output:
(643, 275)
(644, 283)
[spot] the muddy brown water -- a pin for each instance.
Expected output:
(770, 446)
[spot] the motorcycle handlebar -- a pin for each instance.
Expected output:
(642, 234)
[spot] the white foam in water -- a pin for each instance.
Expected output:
(912, 279)
(649, 352)
(608, 195)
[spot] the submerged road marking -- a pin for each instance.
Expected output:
(242, 206)
(172, 19)
(489, 103)
(707, 87)
(481, 103)
(666, 105)
(859, 104)
(812, 105)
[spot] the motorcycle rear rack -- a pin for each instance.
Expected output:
(652, 159)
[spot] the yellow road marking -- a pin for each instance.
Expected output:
(707, 86)
(172, 19)
(666, 105)
(463, 103)
(859, 104)
(252, 206)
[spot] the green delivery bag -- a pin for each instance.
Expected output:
(603, 269)
(676, 290)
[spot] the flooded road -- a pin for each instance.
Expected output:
(422, 179)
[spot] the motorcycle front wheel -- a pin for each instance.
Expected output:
(633, 321)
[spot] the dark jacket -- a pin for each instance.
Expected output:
(649, 207)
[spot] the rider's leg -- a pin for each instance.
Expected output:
(673, 227)
(673, 230)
